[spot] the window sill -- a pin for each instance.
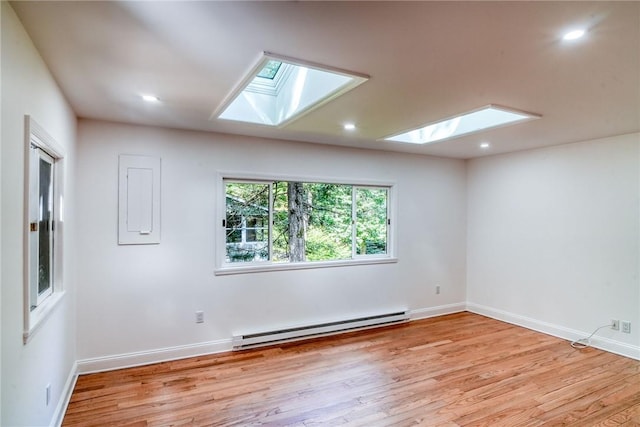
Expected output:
(37, 317)
(261, 268)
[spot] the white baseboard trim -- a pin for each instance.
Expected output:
(121, 361)
(129, 360)
(65, 397)
(440, 310)
(602, 343)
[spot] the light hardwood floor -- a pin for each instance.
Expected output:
(456, 370)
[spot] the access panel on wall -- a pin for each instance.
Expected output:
(139, 200)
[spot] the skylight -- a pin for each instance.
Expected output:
(280, 90)
(270, 69)
(150, 98)
(574, 35)
(463, 124)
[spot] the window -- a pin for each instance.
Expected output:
(43, 231)
(371, 221)
(280, 90)
(41, 237)
(246, 223)
(289, 222)
(270, 70)
(478, 120)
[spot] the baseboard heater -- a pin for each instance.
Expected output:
(241, 342)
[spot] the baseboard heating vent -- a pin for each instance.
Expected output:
(241, 342)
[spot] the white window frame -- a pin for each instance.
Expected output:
(37, 155)
(224, 268)
(224, 216)
(38, 141)
(354, 219)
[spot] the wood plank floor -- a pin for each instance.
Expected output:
(456, 370)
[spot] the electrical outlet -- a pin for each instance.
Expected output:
(626, 327)
(615, 324)
(199, 316)
(437, 289)
(47, 392)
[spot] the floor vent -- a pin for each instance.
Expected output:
(241, 342)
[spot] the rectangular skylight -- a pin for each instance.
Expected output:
(475, 121)
(270, 69)
(280, 90)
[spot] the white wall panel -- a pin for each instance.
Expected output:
(49, 357)
(153, 291)
(554, 235)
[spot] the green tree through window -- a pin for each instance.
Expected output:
(371, 221)
(246, 222)
(292, 221)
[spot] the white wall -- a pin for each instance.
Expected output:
(554, 238)
(143, 298)
(28, 88)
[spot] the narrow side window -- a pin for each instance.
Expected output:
(41, 227)
(43, 231)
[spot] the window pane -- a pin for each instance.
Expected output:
(280, 222)
(270, 70)
(312, 222)
(45, 222)
(328, 234)
(256, 229)
(371, 221)
(247, 213)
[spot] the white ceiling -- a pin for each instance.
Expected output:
(427, 61)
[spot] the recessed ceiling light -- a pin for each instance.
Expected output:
(485, 145)
(349, 126)
(573, 35)
(473, 121)
(280, 90)
(150, 98)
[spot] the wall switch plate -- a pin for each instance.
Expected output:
(48, 394)
(626, 327)
(199, 316)
(615, 324)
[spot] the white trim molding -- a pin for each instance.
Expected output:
(440, 310)
(602, 343)
(65, 397)
(129, 360)
(261, 268)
